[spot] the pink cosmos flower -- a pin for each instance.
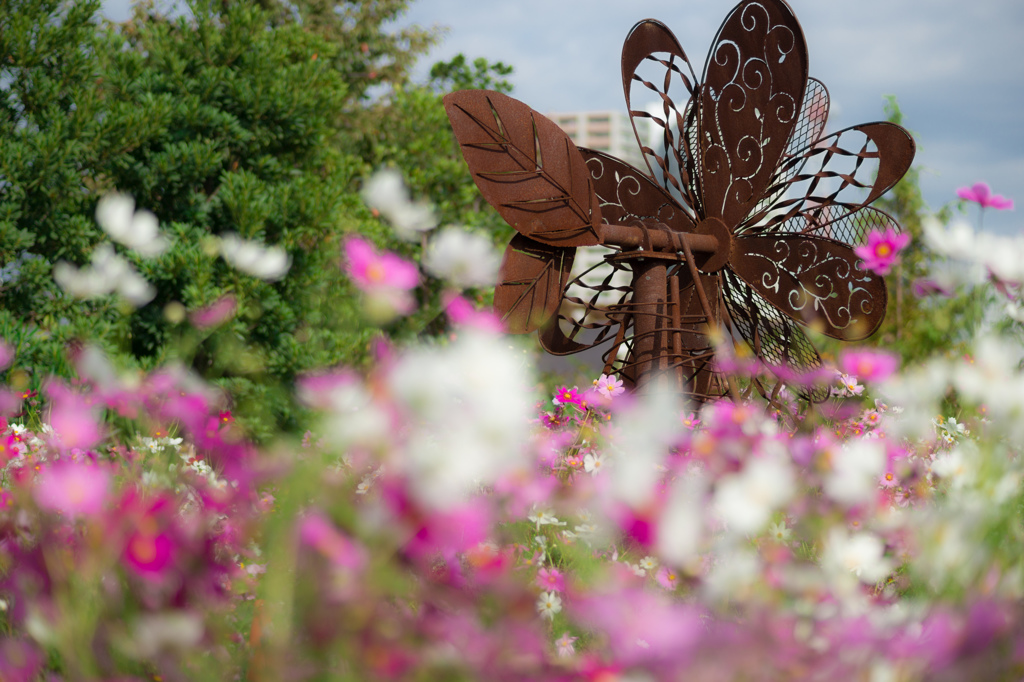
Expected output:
(869, 365)
(73, 418)
(667, 578)
(462, 313)
(386, 278)
(691, 421)
(319, 533)
(849, 385)
(73, 488)
(882, 251)
(149, 552)
(564, 645)
(981, 194)
(568, 396)
(215, 313)
(888, 480)
(609, 387)
(926, 287)
(551, 580)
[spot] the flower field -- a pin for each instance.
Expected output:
(449, 517)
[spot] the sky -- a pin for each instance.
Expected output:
(956, 68)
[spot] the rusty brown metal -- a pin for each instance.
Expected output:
(741, 227)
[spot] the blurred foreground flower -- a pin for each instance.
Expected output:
(253, 258)
(882, 250)
(868, 364)
(386, 193)
(981, 194)
(385, 278)
(465, 259)
(109, 273)
(73, 488)
(137, 230)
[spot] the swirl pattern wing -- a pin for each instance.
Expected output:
(657, 78)
(626, 194)
(814, 281)
(839, 175)
(749, 105)
(774, 337)
(531, 281)
(526, 167)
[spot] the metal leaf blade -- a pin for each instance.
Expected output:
(531, 281)
(526, 167)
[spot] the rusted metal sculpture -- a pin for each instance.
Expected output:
(743, 221)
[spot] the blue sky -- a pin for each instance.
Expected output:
(956, 68)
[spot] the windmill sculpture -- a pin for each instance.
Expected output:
(743, 221)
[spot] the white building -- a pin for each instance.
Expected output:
(606, 131)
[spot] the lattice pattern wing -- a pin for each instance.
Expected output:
(809, 127)
(773, 337)
(589, 314)
(839, 175)
(849, 228)
(815, 281)
(750, 103)
(658, 81)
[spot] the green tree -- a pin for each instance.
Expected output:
(917, 327)
(219, 122)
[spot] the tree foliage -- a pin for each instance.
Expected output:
(222, 121)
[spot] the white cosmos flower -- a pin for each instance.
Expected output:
(463, 258)
(138, 230)
(467, 404)
(746, 500)
(861, 554)
(549, 604)
(386, 193)
(108, 273)
(855, 471)
(593, 464)
(269, 263)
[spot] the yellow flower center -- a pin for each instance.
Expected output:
(375, 272)
(883, 250)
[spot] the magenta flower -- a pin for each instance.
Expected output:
(73, 418)
(568, 396)
(384, 277)
(869, 365)
(320, 534)
(73, 488)
(150, 552)
(551, 580)
(882, 251)
(215, 313)
(981, 194)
